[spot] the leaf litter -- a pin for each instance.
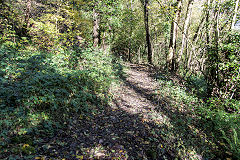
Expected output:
(139, 123)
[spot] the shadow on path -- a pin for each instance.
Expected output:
(179, 127)
(138, 124)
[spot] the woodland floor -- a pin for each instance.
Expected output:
(140, 123)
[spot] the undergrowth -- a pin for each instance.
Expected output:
(40, 92)
(219, 119)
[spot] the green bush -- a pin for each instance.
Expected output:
(223, 125)
(230, 67)
(220, 116)
(223, 107)
(39, 90)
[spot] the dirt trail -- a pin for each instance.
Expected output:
(138, 124)
(175, 130)
(134, 95)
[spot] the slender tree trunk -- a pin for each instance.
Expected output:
(146, 15)
(196, 36)
(95, 28)
(185, 31)
(209, 89)
(24, 29)
(198, 29)
(173, 38)
(208, 27)
(235, 14)
(28, 12)
(190, 58)
(153, 39)
(139, 55)
(211, 72)
(104, 45)
(194, 41)
(217, 32)
(171, 47)
(208, 24)
(130, 31)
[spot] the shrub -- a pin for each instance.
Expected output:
(40, 90)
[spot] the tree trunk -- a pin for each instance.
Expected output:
(194, 41)
(204, 22)
(130, 31)
(207, 24)
(198, 29)
(95, 28)
(173, 38)
(146, 14)
(171, 47)
(211, 72)
(235, 14)
(28, 12)
(104, 45)
(186, 25)
(216, 31)
(24, 28)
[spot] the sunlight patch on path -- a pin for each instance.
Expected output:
(135, 102)
(141, 94)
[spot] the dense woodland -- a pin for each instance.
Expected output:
(61, 60)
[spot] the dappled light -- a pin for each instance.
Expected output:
(119, 79)
(170, 123)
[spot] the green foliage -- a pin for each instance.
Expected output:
(223, 125)
(223, 107)
(40, 90)
(219, 118)
(60, 26)
(197, 84)
(130, 33)
(230, 67)
(233, 141)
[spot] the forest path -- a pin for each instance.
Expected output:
(166, 112)
(142, 122)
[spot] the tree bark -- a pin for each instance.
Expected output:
(24, 29)
(204, 22)
(130, 31)
(207, 24)
(104, 45)
(146, 15)
(211, 70)
(198, 29)
(217, 32)
(235, 14)
(186, 26)
(173, 38)
(96, 34)
(28, 12)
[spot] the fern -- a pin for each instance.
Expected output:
(233, 142)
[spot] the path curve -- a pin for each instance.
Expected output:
(140, 123)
